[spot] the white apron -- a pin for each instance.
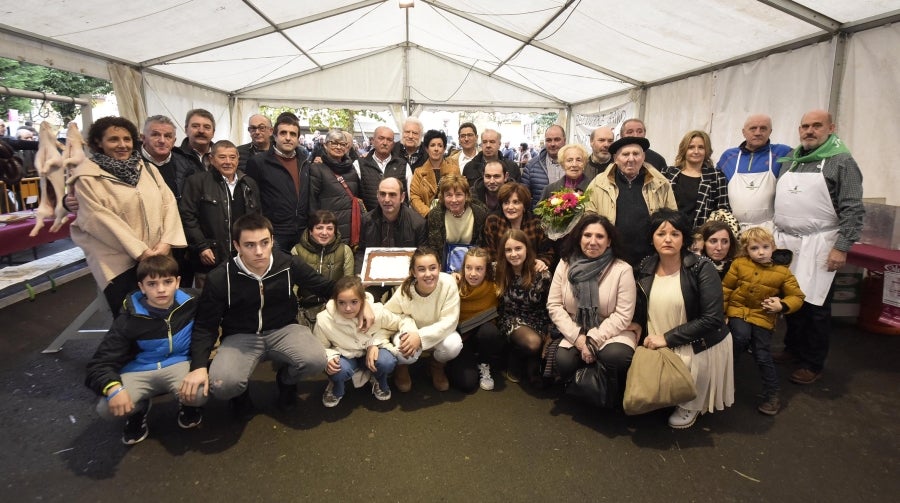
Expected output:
(806, 224)
(752, 196)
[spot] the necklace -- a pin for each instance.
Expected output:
(460, 214)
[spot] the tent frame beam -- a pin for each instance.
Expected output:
(534, 43)
(273, 28)
(804, 14)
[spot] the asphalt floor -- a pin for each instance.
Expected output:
(835, 440)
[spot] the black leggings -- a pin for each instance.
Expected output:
(482, 345)
(615, 356)
(119, 288)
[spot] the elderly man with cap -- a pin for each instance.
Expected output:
(751, 169)
(627, 193)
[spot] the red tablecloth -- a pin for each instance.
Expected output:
(871, 257)
(14, 236)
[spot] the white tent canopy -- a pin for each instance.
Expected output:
(704, 64)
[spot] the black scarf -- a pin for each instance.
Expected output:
(128, 171)
(584, 276)
(340, 167)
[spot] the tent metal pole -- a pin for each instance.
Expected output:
(37, 95)
(406, 66)
(837, 75)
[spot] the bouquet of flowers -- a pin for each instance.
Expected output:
(560, 212)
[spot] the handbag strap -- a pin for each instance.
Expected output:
(355, 214)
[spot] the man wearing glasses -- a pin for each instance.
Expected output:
(260, 130)
(468, 143)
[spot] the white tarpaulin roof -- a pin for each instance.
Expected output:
(703, 64)
(544, 53)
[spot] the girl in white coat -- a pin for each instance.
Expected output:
(362, 357)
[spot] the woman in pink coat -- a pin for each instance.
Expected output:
(591, 302)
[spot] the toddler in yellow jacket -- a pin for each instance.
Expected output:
(757, 287)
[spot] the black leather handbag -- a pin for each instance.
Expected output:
(589, 384)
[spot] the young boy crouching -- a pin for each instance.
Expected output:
(147, 351)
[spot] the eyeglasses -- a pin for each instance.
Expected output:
(253, 129)
(338, 144)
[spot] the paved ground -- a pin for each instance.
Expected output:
(837, 440)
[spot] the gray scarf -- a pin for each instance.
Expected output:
(584, 276)
(127, 171)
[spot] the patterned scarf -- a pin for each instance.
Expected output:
(584, 275)
(128, 171)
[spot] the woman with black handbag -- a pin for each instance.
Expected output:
(591, 302)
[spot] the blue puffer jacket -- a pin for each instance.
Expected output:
(139, 341)
(535, 176)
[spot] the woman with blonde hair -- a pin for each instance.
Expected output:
(699, 188)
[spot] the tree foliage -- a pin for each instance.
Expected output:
(322, 119)
(30, 77)
(544, 121)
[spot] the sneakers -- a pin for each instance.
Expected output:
(770, 407)
(485, 380)
(328, 398)
(287, 393)
(682, 418)
(136, 427)
(805, 376)
(189, 417)
(379, 392)
(242, 406)
(402, 379)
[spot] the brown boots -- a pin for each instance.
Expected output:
(402, 379)
(438, 376)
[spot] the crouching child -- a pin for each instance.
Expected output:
(147, 352)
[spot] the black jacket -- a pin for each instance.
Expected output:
(233, 300)
(701, 289)
(208, 210)
(327, 193)
(281, 203)
(371, 175)
(179, 168)
(186, 150)
(437, 229)
(410, 231)
(139, 341)
(245, 152)
(474, 169)
(420, 155)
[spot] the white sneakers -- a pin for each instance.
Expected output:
(379, 392)
(682, 418)
(485, 380)
(328, 398)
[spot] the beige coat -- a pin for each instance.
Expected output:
(424, 186)
(656, 189)
(618, 296)
(117, 222)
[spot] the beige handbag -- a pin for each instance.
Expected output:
(657, 378)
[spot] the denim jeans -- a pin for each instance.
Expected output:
(759, 340)
(384, 365)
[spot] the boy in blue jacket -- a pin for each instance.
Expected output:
(147, 351)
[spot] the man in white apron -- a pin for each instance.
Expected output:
(752, 169)
(818, 216)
